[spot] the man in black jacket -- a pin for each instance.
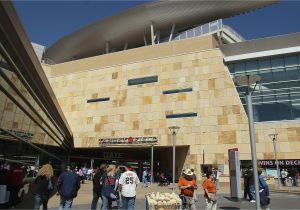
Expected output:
(97, 185)
(68, 186)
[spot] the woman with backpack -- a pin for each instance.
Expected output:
(44, 186)
(108, 187)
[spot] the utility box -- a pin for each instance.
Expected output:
(235, 173)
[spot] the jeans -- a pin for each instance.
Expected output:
(40, 199)
(65, 203)
(217, 183)
(247, 192)
(294, 181)
(128, 203)
(13, 198)
(106, 203)
(252, 191)
(96, 196)
(211, 205)
(145, 182)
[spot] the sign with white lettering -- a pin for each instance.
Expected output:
(280, 162)
(128, 141)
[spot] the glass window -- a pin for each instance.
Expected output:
(295, 96)
(256, 100)
(190, 33)
(284, 111)
(239, 67)
(266, 76)
(251, 66)
(142, 80)
(267, 99)
(294, 84)
(264, 64)
(231, 68)
(280, 85)
(296, 109)
(293, 73)
(277, 62)
(198, 31)
(205, 29)
(279, 75)
(183, 35)
(291, 60)
(284, 97)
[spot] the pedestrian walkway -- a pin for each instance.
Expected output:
(287, 189)
(278, 200)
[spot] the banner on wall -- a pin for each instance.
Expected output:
(285, 163)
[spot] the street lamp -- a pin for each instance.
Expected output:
(151, 178)
(248, 80)
(274, 138)
(174, 130)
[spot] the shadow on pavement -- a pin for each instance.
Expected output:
(228, 207)
(233, 199)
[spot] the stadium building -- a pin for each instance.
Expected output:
(111, 90)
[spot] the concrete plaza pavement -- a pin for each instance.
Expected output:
(278, 200)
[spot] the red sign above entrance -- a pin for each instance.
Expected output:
(130, 140)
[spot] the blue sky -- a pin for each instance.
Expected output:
(47, 21)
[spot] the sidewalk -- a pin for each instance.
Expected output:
(287, 189)
(84, 198)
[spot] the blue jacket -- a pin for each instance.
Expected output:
(264, 185)
(68, 185)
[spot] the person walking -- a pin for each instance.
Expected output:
(210, 192)
(68, 186)
(97, 185)
(81, 175)
(283, 177)
(108, 192)
(251, 185)
(16, 175)
(145, 178)
(246, 185)
(263, 191)
(188, 185)
(293, 174)
(44, 186)
(127, 186)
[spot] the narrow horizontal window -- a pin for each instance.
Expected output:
(97, 100)
(142, 80)
(178, 91)
(190, 114)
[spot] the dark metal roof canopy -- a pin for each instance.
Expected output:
(131, 26)
(16, 43)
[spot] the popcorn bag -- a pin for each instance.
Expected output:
(163, 201)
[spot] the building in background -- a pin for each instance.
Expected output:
(122, 81)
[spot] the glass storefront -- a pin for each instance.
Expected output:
(277, 97)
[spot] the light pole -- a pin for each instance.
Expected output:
(274, 138)
(174, 130)
(151, 178)
(248, 80)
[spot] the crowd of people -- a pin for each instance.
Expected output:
(289, 174)
(112, 183)
(249, 188)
